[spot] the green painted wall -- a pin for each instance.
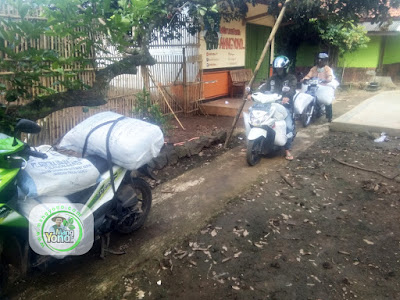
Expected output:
(363, 58)
(306, 54)
(256, 37)
(392, 50)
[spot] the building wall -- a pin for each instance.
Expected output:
(363, 58)
(391, 60)
(256, 37)
(392, 50)
(358, 63)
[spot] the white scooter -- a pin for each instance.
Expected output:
(265, 126)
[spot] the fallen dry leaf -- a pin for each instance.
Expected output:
(368, 242)
(193, 262)
(140, 294)
(236, 255)
(316, 278)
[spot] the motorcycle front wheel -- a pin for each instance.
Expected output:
(136, 216)
(307, 115)
(253, 154)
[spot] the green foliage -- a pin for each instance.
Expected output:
(329, 24)
(335, 10)
(7, 122)
(80, 29)
(150, 112)
(346, 37)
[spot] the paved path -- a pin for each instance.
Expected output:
(380, 113)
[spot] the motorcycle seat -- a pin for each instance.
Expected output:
(99, 162)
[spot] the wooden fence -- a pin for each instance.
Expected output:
(177, 80)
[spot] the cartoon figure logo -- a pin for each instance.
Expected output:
(60, 229)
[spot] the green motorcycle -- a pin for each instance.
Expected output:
(119, 200)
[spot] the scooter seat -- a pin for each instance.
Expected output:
(99, 162)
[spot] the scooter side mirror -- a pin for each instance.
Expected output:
(27, 126)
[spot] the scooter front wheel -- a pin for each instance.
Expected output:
(253, 155)
(307, 115)
(135, 216)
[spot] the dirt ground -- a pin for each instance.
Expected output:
(197, 125)
(317, 229)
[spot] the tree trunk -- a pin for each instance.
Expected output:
(97, 95)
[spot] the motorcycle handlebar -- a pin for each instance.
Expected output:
(36, 153)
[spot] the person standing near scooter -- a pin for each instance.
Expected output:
(323, 72)
(284, 84)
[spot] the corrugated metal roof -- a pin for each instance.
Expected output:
(393, 27)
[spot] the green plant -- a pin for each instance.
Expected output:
(342, 37)
(7, 121)
(150, 112)
(69, 223)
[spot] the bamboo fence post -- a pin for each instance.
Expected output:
(185, 95)
(260, 60)
(165, 99)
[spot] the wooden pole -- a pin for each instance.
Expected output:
(260, 61)
(165, 99)
(184, 85)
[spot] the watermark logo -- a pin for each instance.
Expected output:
(60, 229)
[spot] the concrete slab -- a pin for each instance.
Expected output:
(380, 113)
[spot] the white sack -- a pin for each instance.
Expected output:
(301, 101)
(25, 204)
(280, 133)
(57, 175)
(325, 94)
(334, 84)
(133, 143)
(304, 88)
(280, 111)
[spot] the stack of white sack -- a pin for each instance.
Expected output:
(280, 113)
(326, 93)
(56, 175)
(132, 143)
(301, 101)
